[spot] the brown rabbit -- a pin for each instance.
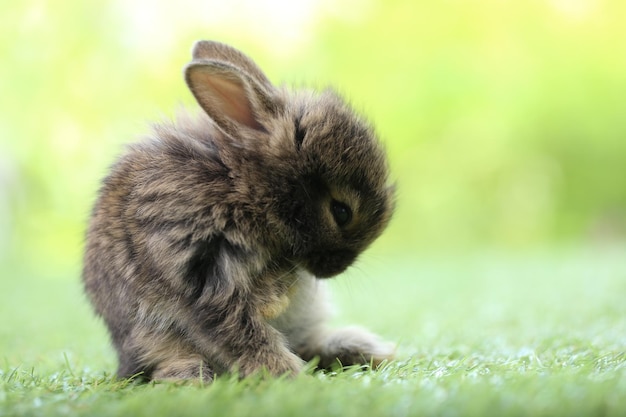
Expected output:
(208, 239)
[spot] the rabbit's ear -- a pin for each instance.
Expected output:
(215, 51)
(230, 97)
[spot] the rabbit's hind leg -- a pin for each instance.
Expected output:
(168, 357)
(183, 368)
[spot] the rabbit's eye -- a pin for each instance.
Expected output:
(341, 213)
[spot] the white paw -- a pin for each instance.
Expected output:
(355, 345)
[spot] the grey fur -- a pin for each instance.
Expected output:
(208, 240)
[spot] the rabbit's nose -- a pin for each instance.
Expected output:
(330, 262)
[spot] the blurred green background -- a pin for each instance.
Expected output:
(505, 121)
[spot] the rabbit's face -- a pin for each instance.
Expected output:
(340, 200)
(311, 170)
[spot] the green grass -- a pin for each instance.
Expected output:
(501, 334)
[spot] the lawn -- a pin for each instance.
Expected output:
(491, 333)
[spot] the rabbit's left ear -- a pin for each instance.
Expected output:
(230, 96)
(216, 51)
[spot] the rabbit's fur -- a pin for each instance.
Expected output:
(208, 239)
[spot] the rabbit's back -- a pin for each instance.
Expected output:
(164, 196)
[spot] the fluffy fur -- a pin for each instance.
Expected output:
(208, 241)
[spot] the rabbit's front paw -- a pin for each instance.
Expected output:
(353, 346)
(276, 364)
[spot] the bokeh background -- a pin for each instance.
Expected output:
(505, 121)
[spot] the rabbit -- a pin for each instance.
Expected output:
(210, 240)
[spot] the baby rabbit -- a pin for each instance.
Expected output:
(209, 240)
